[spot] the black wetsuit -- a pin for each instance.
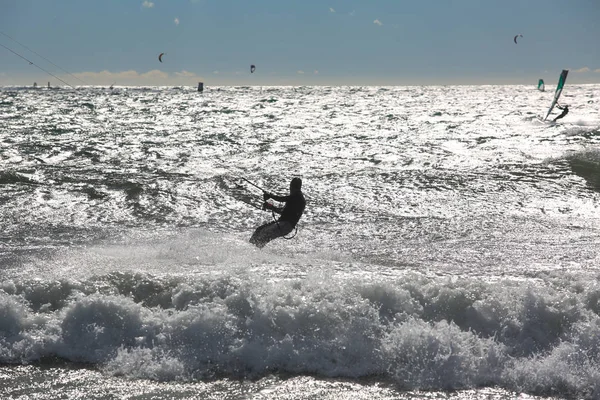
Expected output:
(294, 207)
(565, 112)
(290, 215)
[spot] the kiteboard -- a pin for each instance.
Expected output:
(543, 121)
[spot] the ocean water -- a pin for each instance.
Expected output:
(449, 248)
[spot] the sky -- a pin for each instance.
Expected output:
(309, 42)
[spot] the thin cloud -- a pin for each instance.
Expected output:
(316, 72)
(186, 74)
(597, 70)
(123, 75)
(582, 70)
(154, 74)
(132, 77)
(378, 22)
(352, 13)
(300, 72)
(216, 72)
(331, 10)
(131, 74)
(176, 20)
(147, 4)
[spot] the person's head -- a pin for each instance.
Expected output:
(295, 185)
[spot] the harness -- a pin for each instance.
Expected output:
(279, 227)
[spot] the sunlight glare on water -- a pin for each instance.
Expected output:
(448, 248)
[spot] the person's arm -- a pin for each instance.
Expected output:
(281, 199)
(267, 196)
(269, 206)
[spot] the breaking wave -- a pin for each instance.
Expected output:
(586, 164)
(416, 332)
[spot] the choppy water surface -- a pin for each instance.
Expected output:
(449, 243)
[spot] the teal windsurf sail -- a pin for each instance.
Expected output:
(559, 88)
(541, 86)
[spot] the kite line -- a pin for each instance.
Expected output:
(35, 65)
(41, 56)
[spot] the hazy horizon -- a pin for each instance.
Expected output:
(43, 79)
(41, 83)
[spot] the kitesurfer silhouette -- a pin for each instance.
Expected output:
(290, 214)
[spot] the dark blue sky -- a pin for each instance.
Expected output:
(353, 42)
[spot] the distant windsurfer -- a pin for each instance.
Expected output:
(290, 214)
(565, 109)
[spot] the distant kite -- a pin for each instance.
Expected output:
(160, 57)
(515, 39)
(252, 68)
